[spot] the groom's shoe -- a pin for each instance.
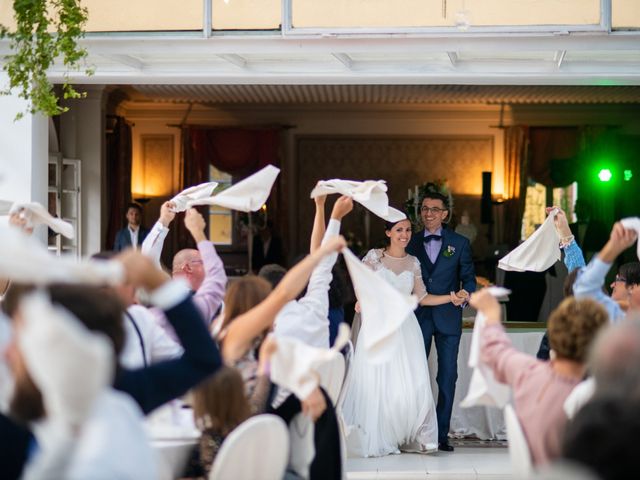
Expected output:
(445, 447)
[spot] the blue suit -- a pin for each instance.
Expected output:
(123, 238)
(453, 269)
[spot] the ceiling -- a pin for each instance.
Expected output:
(383, 94)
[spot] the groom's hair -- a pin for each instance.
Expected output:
(437, 196)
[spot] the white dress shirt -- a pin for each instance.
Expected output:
(157, 343)
(133, 233)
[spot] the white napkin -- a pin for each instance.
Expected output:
(248, 195)
(36, 214)
(372, 194)
(633, 223)
(383, 309)
(538, 252)
(26, 260)
(191, 194)
(295, 365)
(69, 364)
(484, 389)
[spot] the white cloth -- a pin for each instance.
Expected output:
(248, 195)
(388, 400)
(191, 194)
(69, 364)
(538, 252)
(295, 365)
(383, 309)
(158, 345)
(34, 213)
(112, 444)
(26, 260)
(484, 388)
(633, 223)
(371, 194)
(579, 396)
(133, 235)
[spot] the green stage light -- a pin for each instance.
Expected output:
(628, 174)
(604, 175)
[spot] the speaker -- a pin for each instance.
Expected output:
(485, 203)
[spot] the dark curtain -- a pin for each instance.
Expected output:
(516, 142)
(118, 176)
(236, 151)
(554, 154)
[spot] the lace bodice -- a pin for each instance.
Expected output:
(402, 272)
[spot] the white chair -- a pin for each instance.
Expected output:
(519, 453)
(332, 376)
(258, 449)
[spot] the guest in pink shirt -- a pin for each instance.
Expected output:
(540, 388)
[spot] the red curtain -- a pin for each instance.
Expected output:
(551, 145)
(516, 143)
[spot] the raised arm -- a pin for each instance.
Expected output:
(247, 326)
(317, 233)
(153, 243)
(573, 257)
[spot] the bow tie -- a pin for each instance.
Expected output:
(429, 238)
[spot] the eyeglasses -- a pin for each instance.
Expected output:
(432, 209)
(182, 267)
(620, 279)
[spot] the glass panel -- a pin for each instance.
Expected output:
(69, 204)
(565, 198)
(143, 15)
(51, 203)
(220, 226)
(534, 209)
(625, 13)
(246, 14)
(219, 176)
(69, 181)
(421, 13)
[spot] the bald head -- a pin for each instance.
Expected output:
(616, 356)
(187, 264)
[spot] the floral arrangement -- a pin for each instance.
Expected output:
(413, 203)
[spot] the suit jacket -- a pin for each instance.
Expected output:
(446, 275)
(123, 238)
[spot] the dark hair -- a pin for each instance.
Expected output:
(389, 225)
(137, 206)
(631, 273)
(569, 281)
(242, 295)
(272, 273)
(436, 196)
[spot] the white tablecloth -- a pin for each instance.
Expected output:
(481, 422)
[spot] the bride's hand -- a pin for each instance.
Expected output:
(462, 293)
(456, 300)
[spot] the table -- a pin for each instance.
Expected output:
(484, 423)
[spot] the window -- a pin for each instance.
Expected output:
(220, 218)
(536, 202)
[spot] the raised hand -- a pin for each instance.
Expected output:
(342, 206)
(334, 244)
(486, 303)
(560, 222)
(195, 223)
(167, 214)
(19, 220)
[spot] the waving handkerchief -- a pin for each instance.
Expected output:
(70, 364)
(26, 260)
(538, 252)
(297, 366)
(248, 195)
(192, 194)
(371, 194)
(484, 389)
(36, 214)
(383, 309)
(633, 223)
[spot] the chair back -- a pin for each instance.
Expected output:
(521, 465)
(258, 449)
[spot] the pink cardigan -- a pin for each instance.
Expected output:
(539, 392)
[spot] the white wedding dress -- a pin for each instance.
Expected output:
(389, 406)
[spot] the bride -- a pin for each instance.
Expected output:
(389, 406)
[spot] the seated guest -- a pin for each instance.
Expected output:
(540, 388)
(201, 268)
(134, 233)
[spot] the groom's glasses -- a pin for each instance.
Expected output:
(433, 209)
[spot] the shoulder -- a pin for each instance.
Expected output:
(454, 237)
(413, 260)
(373, 254)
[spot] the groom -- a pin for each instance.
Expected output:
(445, 260)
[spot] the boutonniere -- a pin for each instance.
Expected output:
(449, 251)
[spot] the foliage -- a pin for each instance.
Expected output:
(45, 30)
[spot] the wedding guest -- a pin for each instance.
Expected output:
(540, 388)
(134, 233)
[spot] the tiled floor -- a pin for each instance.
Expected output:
(464, 463)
